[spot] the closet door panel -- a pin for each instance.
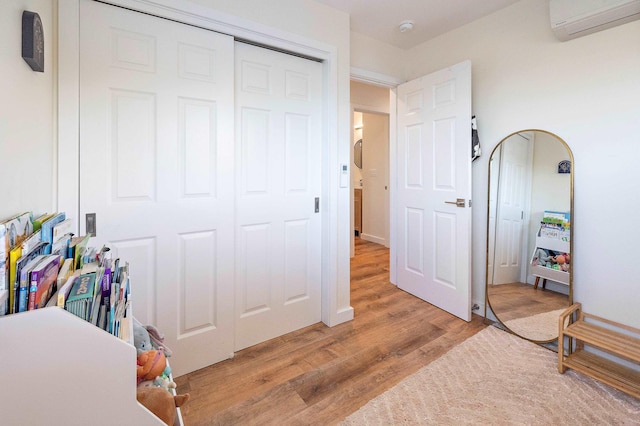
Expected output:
(278, 246)
(157, 168)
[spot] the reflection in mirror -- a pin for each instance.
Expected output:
(529, 233)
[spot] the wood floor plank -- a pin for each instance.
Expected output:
(319, 375)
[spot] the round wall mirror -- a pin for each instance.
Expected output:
(357, 153)
(529, 233)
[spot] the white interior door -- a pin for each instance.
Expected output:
(434, 170)
(278, 231)
(512, 199)
(157, 167)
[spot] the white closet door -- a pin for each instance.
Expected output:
(278, 151)
(157, 167)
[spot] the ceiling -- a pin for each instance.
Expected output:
(380, 19)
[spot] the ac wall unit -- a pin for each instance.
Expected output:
(575, 18)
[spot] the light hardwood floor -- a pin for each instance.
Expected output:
(518, 300)
(319, 375)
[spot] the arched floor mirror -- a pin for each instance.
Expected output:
(529, 277)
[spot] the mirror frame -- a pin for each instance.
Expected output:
(357, 153)
(487, 303)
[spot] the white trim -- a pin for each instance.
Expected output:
(369, 109)
(374, 239)
(393, 184)
(68, 109)
(335, 271)
(370, 77)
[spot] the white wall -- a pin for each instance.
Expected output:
(27, 141)
(586, 91)
(550, 190)
(375, 169)
(373, 55)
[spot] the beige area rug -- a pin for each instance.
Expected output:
(496, 378)
(541, 327)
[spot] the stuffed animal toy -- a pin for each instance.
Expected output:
(164, 382)
(161, 382)
(543, 256)
(141, 338)
(157, 340)
(161, 403)
(560, 259)
(151, 364)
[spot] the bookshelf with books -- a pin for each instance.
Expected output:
(75, 367)
(551, 256)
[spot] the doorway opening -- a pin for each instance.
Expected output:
(371, 179)
(371, 164)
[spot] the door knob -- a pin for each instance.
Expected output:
(459, 202)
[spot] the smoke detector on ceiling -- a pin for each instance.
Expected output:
(406, 26)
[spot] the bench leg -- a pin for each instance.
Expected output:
(561, 367)
(535, 286)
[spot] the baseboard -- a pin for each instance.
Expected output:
(342, 316)
(373, 239)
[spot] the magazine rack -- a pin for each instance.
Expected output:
(543, 272)
(60, 369)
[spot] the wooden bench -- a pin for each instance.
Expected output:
(619, 340)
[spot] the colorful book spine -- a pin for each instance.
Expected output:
(14, 255)
(43, 279)
(25, 274)
(105, 305)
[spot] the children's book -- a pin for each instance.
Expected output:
(61, 246)
(61, 229)
(64, 290)
(77, 246)
(13, 232)
(47, 230)
(20, 263)
(81, 295)
(17, 230)
(97, 297)
(15, 254)
(43, 279)
(32, 241)
(65, 272)
(25, 275)
(37, 222)
(105, 305)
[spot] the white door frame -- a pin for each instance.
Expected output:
(335, 270)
